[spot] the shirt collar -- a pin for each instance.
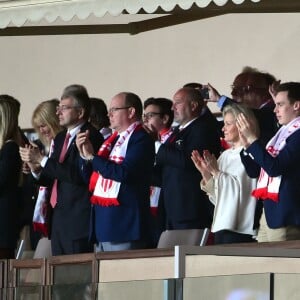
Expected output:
(187, 124)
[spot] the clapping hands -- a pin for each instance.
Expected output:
(206, 164)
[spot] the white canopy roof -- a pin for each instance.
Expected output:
(17, 12)
(143, 15)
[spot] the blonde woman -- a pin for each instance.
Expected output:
(10, 173)
(46, 124)
(227, 184)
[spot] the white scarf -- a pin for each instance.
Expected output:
(40, 213)
(268, 187)
(106, 190)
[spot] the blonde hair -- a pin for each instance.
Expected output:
(9, 129)
(236, 109)
(45, 113)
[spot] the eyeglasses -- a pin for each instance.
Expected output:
(150, 115)
(114, 109)
(65, 107)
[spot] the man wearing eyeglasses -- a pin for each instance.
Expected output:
(157, 118)
(119, 177)
(69, 194)
(251, 88)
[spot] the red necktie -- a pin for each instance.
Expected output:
(53, 198)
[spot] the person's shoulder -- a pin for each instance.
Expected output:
(10, 144)
(94, 132)
(61, 134)
(295, 136)
(10, 148)
(140, 134)
(204, 122)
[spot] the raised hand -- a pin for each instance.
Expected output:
(214, 95)
(84, 145)
(246, 130)
(152, 131)
(201, 165)
(211, 163)
(32, 156)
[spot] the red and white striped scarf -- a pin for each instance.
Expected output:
(105, 191)
(268, 187)
(40, 214)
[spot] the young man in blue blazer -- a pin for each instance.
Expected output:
(277, 166)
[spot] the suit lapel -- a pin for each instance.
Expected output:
(173, 136)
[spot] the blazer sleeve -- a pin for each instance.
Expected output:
(251, 167)
(287, 159)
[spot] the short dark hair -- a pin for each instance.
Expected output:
(165, 107)
(98, 113)
(293, 89)
(194, 85)
(80, 95)
(134, 100)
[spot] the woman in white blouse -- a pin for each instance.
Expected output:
(227, 184)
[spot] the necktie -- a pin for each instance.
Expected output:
(53, 198)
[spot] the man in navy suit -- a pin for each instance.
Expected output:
(121, 177)
(277, 166)
(69, 194)
(186, 205)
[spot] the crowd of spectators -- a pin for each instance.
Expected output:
(114, 178)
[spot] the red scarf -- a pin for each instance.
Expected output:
(104, 151)
(105, 190)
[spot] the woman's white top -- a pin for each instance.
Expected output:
(230, 192)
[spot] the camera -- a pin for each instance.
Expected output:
(205, 93)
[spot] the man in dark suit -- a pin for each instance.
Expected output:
(187, 206)
(69, 195)
(121, 177)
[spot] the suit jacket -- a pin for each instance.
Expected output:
(72, 211)
(130, 220)
(286, 163)
(10, 170)
(184, 200)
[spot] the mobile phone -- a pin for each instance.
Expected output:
(205, 93)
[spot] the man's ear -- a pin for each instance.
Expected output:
(81, 112)
(194, 105)
(131, 111)
(165, 119)
(297, 105)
